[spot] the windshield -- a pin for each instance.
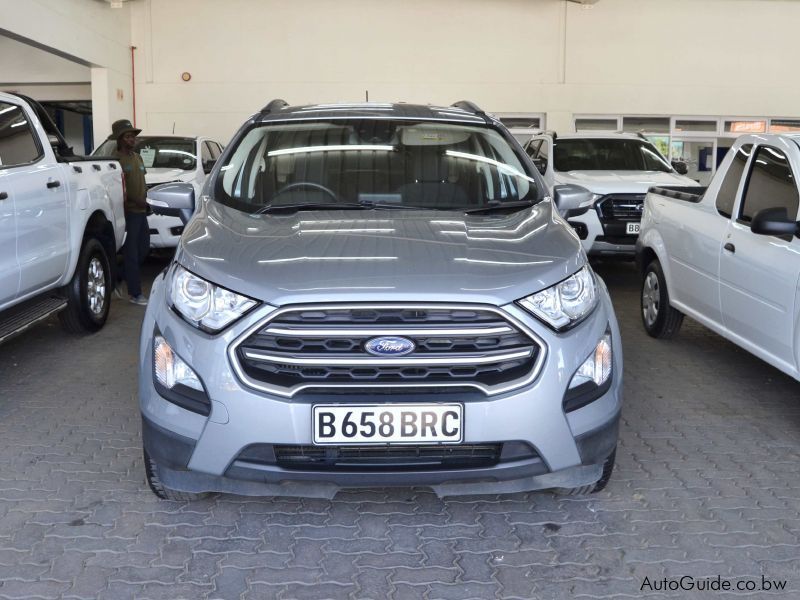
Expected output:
(372, 161)
(159, 152)
(607, 155)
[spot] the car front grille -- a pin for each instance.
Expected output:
(324, 347)
(626, 208)
(381, 457)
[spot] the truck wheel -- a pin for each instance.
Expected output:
(88, 294)
(158, 488)
(598, 486)
(660, 320)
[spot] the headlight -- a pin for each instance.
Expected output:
(565, 303)
(204, 304)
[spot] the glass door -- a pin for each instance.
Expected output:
(699, 156)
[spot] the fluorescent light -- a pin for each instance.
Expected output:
(344, 148)
(312, 258)
(500, 166)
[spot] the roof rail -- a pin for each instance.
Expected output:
(273, 106)
(469, 107)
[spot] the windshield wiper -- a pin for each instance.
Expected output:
(497, 205)
(311, 206)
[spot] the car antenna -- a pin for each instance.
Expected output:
(367, 93)
(173, 127)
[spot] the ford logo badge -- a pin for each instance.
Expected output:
(389, 346)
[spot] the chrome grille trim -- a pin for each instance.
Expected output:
(288, 392)
(485, 359)
(379, 331)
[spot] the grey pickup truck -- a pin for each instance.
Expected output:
(377, 295)
(61, 224)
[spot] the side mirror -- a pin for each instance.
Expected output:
(773, 221)
(208, 165)
(680, 167)
(172, 199)
(540, 164)
(572, 200)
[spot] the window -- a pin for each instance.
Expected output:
(521, 121)
(373, 161)
(18, 146)
(771, 184)
(695, 126)
(745, 127)
(784, 126)
(158, 152)
(596, 124)
(206, 150)
(605, 154)
(645, 124)
(216, 150)
(533, 147)
(726, 197)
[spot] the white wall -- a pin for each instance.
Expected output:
(691, 57)
(86, 33)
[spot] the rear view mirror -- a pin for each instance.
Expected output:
(572, 200)
(172, 199)
(680, 167)
(773, 221)
(541, 165)
(208, 165)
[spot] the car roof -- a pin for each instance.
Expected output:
(371, 110)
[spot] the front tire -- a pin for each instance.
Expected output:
(88, 293)
(158, 488)
(660, 320)
(597, 486)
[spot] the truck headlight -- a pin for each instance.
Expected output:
(565, 304)
(203, 304)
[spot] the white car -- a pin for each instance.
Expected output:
(170, 159)
(618, 169)
(730, 258)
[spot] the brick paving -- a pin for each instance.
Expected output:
(706, 485)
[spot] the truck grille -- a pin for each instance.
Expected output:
(324, 347)
(621, 207)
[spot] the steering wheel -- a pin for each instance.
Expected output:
(301, 184)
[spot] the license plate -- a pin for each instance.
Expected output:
(388, 424)
(632, 228)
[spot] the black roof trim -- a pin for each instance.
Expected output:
(273, 106)
(470, 107)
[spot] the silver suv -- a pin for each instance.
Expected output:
(377, 295)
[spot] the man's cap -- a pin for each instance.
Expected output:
(121, 127)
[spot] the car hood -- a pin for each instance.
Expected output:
(381, 255)
(156, 176)
(622, 182)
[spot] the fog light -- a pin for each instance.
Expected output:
(597, 366)
(169, 368)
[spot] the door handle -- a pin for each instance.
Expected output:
(3, 196)
(730, 248)
(53, 184)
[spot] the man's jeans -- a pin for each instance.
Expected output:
(137, 245)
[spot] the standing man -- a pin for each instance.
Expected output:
(137, 242)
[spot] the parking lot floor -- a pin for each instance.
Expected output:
(707, 488)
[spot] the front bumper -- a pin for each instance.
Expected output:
(197, 453)
(597, 242)
(165, 232)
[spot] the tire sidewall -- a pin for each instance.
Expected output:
(663, 299)
(92, 248)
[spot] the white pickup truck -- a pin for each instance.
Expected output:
(618, 169)
(730, 257)
(61, 224)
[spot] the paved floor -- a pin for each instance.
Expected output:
(707, 484)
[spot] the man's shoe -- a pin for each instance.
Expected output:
(140, 300)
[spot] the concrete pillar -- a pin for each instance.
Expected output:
(111, 100)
